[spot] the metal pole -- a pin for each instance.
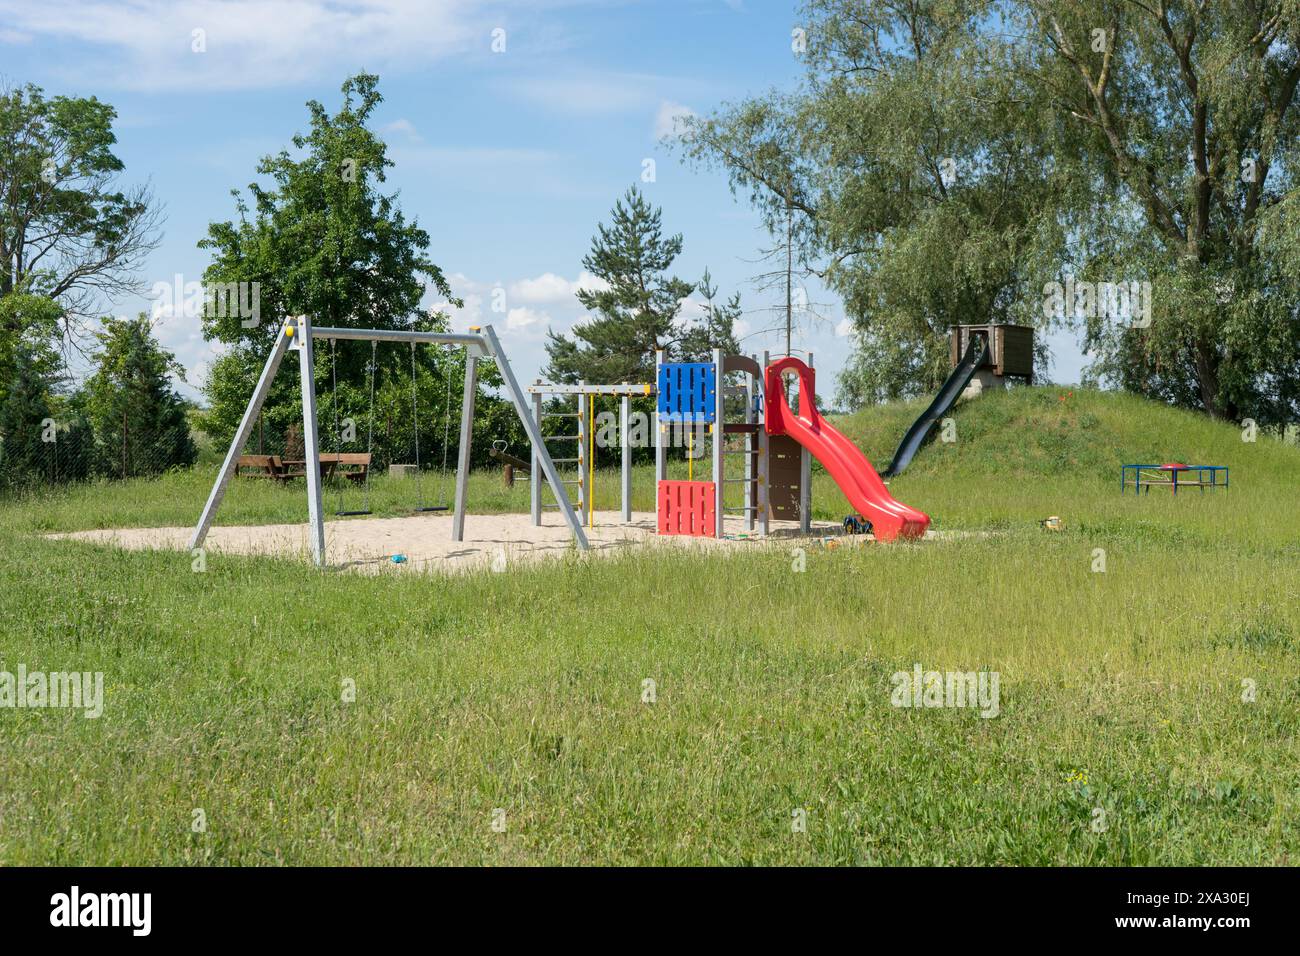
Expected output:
(307, 371)
(466, 435)
(534, 433)
(399, 335)
(633, 389)
(583, 491)
(719, 419)
(764, 454)
(661, 449)
(805, 466)
(242, 434)
(591, 461)
(624, 426)
(750, 446)
(535, 473)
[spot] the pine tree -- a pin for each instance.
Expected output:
(635, 310)
(715, 328)
(139, 420)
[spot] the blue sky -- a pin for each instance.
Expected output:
(509, 159)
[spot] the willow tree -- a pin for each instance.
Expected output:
(1183, 117)
(908, 171)
(955, 158)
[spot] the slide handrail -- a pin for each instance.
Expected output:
(774, 386)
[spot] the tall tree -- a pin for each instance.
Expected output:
(322, 239)
(139, 420)
(69, 231)
(715, 327)
(905, 170)
(1183, 115)
(761, 150)
(954, 159)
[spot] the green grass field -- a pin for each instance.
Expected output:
(1126, 733)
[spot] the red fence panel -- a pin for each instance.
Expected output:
(686, 507)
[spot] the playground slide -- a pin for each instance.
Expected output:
(956, 384)
(847, 465)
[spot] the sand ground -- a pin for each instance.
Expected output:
(368, 544)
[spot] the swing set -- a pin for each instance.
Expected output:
(341, 458)
(479, 343)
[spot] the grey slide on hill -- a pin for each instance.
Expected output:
(948, 395)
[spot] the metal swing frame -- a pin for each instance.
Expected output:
(298, 333)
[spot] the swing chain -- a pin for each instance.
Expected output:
(340, 482)
(338, 433)
(446, 424)
(415, 414)
(370, 426)
(415, 423)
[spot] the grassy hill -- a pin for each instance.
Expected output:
(1027, 453)
(1049, 432)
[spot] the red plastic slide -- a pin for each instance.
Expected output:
(849, 467)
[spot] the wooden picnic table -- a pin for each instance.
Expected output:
(297, 467)
(353, 466)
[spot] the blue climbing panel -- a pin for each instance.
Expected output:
(686, 391)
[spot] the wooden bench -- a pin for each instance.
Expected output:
(262, 466)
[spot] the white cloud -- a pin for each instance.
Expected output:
(691, 309)
(471, 293)
(403, 127)
(509, 304)
(518, 309)
(844, 329)
(522, 317)
(589, 283)
(669, 118)
(253, 44)
(549, 287)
